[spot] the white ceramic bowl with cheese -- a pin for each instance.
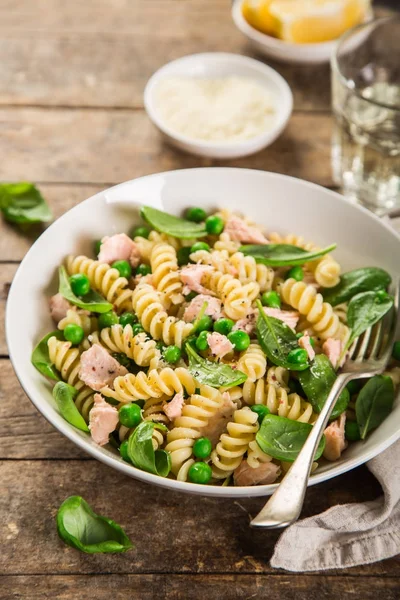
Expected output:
(278, 202)
(216, 65)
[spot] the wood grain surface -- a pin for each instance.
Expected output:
(72, 76)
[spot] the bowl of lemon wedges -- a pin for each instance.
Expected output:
(298, 31)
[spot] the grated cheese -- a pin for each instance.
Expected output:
(225, 109)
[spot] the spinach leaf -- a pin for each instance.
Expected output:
(80, 527)
(40, 356)
(283, 438)
(374, 403)
(211, 373)
(281, 255)
(277, 339)
(171, 225)
(317, 382)
(141, 451)
(91, 301)
(22, 203)
(64, 395)
(365, 310)
(367, 279)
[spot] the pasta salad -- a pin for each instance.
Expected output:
(203, 348)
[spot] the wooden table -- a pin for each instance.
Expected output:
(72, 120)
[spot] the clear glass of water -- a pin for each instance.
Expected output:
(366, 109)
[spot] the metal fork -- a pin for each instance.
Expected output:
(368, 356)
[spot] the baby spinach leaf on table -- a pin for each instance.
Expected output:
(40, 356)
(277, 339)
(64, 395)
(281, 255)
(23, 204)
(283, 438)
(367, 279)
(366, 309)
(80, 527)
(211, 373)
(142, 453)
(317, 382)
(374, 403)
(91, 301)
(171, 225)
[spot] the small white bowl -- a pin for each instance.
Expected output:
(284, 51)
(220, 64)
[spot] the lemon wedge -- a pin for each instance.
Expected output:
(257, 14)
(312, 21)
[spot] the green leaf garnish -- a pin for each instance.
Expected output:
(23, 204)
(283, 438)
(80, 527)
(211, 373)
(281, 255)
(40, 356)
(366, 309)
(367, 279)
(171, 225)
(374, 403)
(91, 301)
(317, 382)
(277, 339)
(64, 395)
(141, 451)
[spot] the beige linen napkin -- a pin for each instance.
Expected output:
(348, 534)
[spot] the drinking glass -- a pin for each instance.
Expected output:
(366, 107)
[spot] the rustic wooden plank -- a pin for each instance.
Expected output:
(7, 272)
(15, 243)
(193, 587)
(172, 532)
(52, 145)
(23, 431)
(112, 71)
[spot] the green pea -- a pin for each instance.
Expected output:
(143, 269)
(137, 328)
(200, 246)
(296, 273)
(123, 450)
(297, 356)
(80, 284)
(261, 410)
(74, 333)
(172, 354)
(381, 296)
(107, 319)
(205, 324)
(190, 296)
(200, 472)
(352, 431)
(183, 256)
(96, 247)
(127, 318)
(143, 232)
(354, 386)
(195, 214)
(202, 448)
(201, 341)
(223, 326)
(214, 225)
(240, 340)
(130, 415)
(123, 268)
(271, 299)
(396, 351)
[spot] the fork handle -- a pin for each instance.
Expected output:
(284, 506)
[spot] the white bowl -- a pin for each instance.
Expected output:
(220, 64)
(281, 203)
(284, 51)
